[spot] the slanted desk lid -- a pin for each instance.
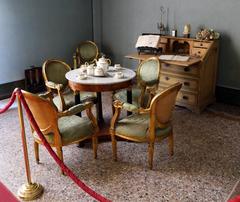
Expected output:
(150, 41)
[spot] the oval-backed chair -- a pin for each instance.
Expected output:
(54, 76)
(61, 128)
(148, 74)
(87, 51)
(147, 125)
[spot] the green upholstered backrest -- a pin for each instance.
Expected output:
(148, 72)
(55, 70)
(87, 51)
(163, 103)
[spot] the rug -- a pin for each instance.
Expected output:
(205, 166)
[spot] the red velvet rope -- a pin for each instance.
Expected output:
(66, 170)
(11, 101)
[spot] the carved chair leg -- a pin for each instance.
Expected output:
(170, 144)
(150, 154)
(36, 150)
(114, 147)
(60, 155)
(94, 145)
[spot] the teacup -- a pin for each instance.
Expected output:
(118, 75)
(83, 67)
(117, 67)
(90, 70)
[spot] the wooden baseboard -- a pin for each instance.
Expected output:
(223, 94)
(228, 95)
(6, 89)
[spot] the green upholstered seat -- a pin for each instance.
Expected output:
(71, 128)
(69, 98)
(122, 96)
(137, 125)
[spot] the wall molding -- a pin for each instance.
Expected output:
(228, 95)
(6, 89)
(223, 94)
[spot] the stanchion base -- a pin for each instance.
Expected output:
(28, 192)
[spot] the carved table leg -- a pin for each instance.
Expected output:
(99, 108)
(129, 99)
(78, 101)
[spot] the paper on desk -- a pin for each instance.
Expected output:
(174, 58)
(148, 41)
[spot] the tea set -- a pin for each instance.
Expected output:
(100, 70)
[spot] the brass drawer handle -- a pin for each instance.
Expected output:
(186, 69)
(201, 44)
(185, 97)
(186, 83)
(167, 78)
(199, 52)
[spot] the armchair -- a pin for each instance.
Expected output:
(146, 125)
(148, 74)
(54, 75)
(61, 128)
(86, 51)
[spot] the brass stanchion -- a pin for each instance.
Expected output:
(28, 191)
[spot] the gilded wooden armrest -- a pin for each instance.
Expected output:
(124, 105)
(117, 106)
(144, 111)
(75, 109)
(152, 90)
(47, 95)
(53, 85)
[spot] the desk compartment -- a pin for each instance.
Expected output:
(199, 51)
(199, 44)
(188, 84)
(190, 71)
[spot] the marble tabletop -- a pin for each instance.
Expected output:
(73, 76)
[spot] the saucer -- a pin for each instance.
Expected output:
(82, 77)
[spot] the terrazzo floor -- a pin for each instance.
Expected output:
(205, 166)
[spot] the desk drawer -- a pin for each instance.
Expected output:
(199, 51)
(187, 98)
(187, 84)
(190, 71)
(163, 40)
(201, 44)
(183, 97)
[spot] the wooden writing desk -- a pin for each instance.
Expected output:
(198, 74)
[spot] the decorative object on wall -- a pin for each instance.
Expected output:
(207, 34)
(161, 25)
(187, 30)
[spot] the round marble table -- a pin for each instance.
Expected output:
(100, 84)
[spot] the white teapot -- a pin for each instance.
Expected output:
(99, 71)
(103, 63)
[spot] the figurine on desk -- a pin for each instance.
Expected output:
(187, 31)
